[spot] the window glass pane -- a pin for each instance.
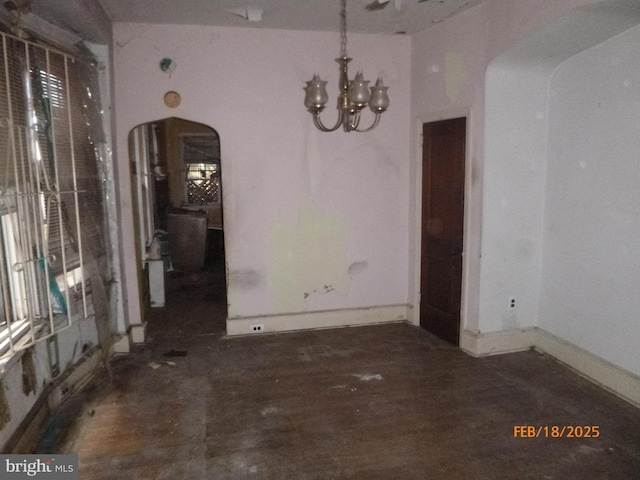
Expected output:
(201, 171)
(201, 157)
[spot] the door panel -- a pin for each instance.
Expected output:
(443, 159)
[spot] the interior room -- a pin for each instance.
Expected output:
(182, 234)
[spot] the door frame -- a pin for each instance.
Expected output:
(417, 223)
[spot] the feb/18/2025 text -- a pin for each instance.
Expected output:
(556, 431)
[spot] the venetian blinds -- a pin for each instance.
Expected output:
(51, 211)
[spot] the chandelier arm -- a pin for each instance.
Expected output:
(318, 123)
(373, 125)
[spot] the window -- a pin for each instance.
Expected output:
(51, 215)
(201, 160)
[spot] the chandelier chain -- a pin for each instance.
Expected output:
(343, 36)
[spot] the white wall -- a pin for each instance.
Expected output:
(313, 221)
(554, 146)
(591, 263)
(513, 195)
(517, 125)
(448, 66)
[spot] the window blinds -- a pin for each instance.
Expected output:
(51, 189)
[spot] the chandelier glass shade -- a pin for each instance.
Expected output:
(355, 95)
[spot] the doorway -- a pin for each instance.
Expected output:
(177, 191)
(443, 182)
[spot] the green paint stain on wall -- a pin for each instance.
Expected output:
(309, 258)
(455, 74)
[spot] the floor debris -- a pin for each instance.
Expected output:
(176, 353)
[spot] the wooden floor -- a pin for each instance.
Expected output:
(379, 402)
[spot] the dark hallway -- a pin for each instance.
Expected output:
(196, 301)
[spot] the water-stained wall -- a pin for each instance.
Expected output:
(313, 221)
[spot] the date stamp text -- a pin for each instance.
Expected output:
(556, 431)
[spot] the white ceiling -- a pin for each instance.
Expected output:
(408, 16)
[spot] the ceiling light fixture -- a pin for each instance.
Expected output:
(354, 94)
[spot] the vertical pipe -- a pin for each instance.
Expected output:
(24, 223)
(45, 254)
(137, 154)
(20, 303)
(146, 159)
(75, 187)
(57, 194)
(27, 221)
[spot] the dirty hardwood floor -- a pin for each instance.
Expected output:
(378, 402)
(382, 402)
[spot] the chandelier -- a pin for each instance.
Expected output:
(355, 94)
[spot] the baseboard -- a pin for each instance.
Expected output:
(411, 316)
(604, 373)
(495, 343)
(136, 334)
(611, 377)
(317, 320)
(121, 344)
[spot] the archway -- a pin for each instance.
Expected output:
(176, 186)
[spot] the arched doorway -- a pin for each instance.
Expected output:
(177, 195)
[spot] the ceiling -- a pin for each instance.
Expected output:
(363, 16)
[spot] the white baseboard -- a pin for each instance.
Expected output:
(609, 376)
(615, 379)
(494, 343)
(316, 320)
(138, 332)
(123, 343)
(412, 318)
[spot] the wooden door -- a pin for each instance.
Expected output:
(443, 160)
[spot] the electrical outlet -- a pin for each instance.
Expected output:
(256, 328)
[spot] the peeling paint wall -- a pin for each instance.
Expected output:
(310, 258)
(300, 206)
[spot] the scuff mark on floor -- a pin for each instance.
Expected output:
(316, 352)
(268, 411)
(367, 377)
